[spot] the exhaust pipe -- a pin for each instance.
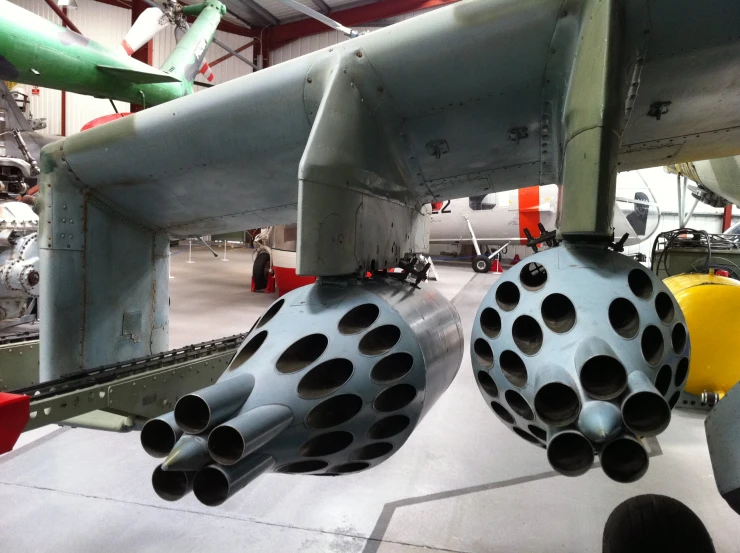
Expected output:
(556, 400)
(189, 453)
(570, 453)
(234, 440)
(625, 459)
(600, 421)
(204, 409)
(173, 484)
(601, 373)
(159, 436)
(644, 411)
(214, 484)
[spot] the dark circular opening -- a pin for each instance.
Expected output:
(359, 318)
(674, 399)
(211, 486)
(663, 380)
(349, 467)
(301, 467)
(522, 434)
(170, 485)
(325, 378)
(226, 445)
(678, 338)
(519, 405)
(501, 411)
(682, 371)
(652, 345)
(603, 377)
(302, 353)
(624, 318)
(538, 432)
(570, 453)
(388, 427)
(646, 413)
(483, 353)
(533, 276)
(326, 444)
(394, 398)
(527, 334)
(158, 438)
(192, 414)
(557, 403)
(372, 451)
(652, 523)
(270, 313)
(640, 284)
(513, 368)
(624, 460)
(392, 367)
(490, 322)
(507, 296)
(487, 383)
(334, 411)
(380, 339)
(249, 349)
(558, 313)
(664, 307)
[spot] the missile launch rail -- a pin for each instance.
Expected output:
(145, 387)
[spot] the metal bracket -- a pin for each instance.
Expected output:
(658, 109)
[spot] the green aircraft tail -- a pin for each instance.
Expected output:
(187, 59)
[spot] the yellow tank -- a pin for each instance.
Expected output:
(711, 305)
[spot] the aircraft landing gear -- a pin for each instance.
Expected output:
(481, 264)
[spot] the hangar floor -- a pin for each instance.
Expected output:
(462, 482)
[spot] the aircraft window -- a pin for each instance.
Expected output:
(285, 237)
(482, 203)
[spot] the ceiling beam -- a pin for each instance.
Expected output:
(322, 6)
(261, 11)
(288, 32)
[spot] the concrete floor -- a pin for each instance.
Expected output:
(462, 483)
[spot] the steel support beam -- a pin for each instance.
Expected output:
(63, 16)
(592, 122)
(230, 55)
(727, 218)
(322, 6)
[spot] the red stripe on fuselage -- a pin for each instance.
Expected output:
(529, 212)
(127, 47)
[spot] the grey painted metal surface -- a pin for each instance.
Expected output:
(572, 350)
(724, 448)
(337, 139)
(345, 370)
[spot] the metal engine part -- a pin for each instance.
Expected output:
(331, 380)
(19, 262)
(583, 351)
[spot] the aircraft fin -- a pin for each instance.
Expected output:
(188, 57)
(138, 77)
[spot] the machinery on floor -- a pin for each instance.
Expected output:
(375, 129)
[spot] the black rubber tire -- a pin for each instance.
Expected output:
(481, 264)
(260, 269)
(652, 523)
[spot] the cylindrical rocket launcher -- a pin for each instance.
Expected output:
(332, 380)
(582, 351)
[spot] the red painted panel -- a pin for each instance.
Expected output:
(15, 410)
(287, 280)
(529, 211)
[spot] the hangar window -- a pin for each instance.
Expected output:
(482, 203)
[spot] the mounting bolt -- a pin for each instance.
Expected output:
(359, 54)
